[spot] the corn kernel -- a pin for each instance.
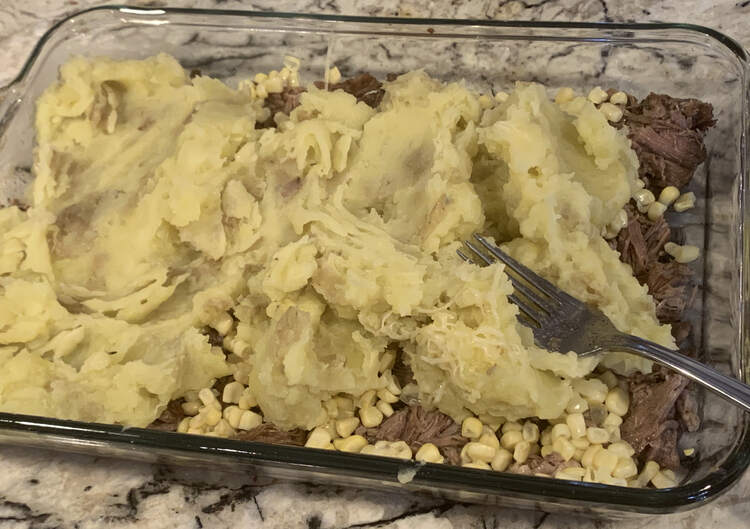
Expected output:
(385, 408)
(206, 396)
(577, 405)
(605, 461)
(571, 473)
(521, 451)
(655, 210)
(213, 416)
(611, 112)
(643, 199)
(661, 481)
(318, 438)
(546, 436)
(621, 449)
(592, 389)
(224, 429)
(345, 406)
(685, 202)
(618, 401)
(490, 439)
(682, 254)
(530, 432)
(589, 454)
(668, 195)
(367, 399)
(480, 452)
(232, 415)
(512, 426)
(562, 446)
(345, 427)
(597, 435)
(560, 430)
(386, 361)
(576, 424)
(614, 433)
(353, 443)
(502, 460)
(387, 396)
(625, 468)
(232, 392)
(184, 425)
(511, 439)
(471, 428)
(477, 464)
(370, 416)
(689, 451)
(619, 98)
(580, 443)
(429, 453)
(249, 420)
(612, 420)
(333, 75)
(546, 450)
(564, 95)
(609, 378)
(501, 97)
(191, 407)
(597, 95)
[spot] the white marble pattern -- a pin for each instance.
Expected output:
(46, 489)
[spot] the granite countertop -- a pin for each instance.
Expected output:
(41, 489)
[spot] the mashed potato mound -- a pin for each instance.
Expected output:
(159, 210)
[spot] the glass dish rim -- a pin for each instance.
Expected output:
(445, 477)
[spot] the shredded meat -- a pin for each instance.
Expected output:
(284, 102)
(364, 87)
(687, 410)
(652, 403)
(170, 417)
(537, 464)
(667, 135)
(268, 433)
(671, 285)
(416, 426)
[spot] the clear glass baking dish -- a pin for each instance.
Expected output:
(681, 60)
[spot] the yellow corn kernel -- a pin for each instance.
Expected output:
(521, 451)
(385, 408)
(625, 468)
(612, 420)
(611, 112)
(501, 97)
(318, 438)
(564, 95)
(655, 210)
(367, 399)
(621, 449)
(502, 460)
(562, 446)
(571, 473)
(580, 443)
(530, 432)
(576, 424)
(619, 98)
(480, 452)
(609, 378)
(212, 415)
(593, 389)
(184, 425)
(232, 392)
(589, 454)
(685, 202)
(597, 435)
(661, 481)
(546, 450)
(605, 461)
(477, 464)
(387, 396)
(668, 195)
(643, 199)
(560, 430)
(618, 401)
(471, 428)
(191, 407)
(345, 427)
(490, 439)
(206, 396)
(682, 254)
(353, 443)
(429, 453)
(370, 416)
(512, 426)
(223, 429)
(511, 439)
(597, 95)
(249, 420)
(232, 415)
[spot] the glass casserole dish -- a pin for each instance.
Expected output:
(684, 61)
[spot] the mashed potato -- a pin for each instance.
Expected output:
(158, 209)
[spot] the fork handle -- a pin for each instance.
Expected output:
(728, 387)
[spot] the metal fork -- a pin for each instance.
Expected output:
(562, 323)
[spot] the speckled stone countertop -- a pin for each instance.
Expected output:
(41, 489)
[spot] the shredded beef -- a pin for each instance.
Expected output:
(417, 426)
(284, 102)
(268, 433)
(687, 410)
(537, 464)
(364, 87)
(170, 417)
(671, 285)
(663, 449)
(667, 135)
(652, 402)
